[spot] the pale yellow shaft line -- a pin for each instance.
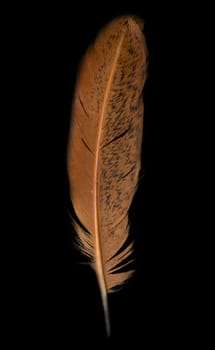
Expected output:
(98, 255)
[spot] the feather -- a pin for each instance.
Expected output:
(104, 149)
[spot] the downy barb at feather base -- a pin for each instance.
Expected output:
(104, 148)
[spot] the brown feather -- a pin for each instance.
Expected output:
(104, 148)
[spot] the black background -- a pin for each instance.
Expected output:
(52, 299)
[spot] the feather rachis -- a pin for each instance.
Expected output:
(105, 147)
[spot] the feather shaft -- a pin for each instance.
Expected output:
(98, 258)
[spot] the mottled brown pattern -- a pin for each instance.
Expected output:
(104, 149)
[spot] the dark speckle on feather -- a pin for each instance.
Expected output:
(131, 50)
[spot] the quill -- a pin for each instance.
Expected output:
(104, 149)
